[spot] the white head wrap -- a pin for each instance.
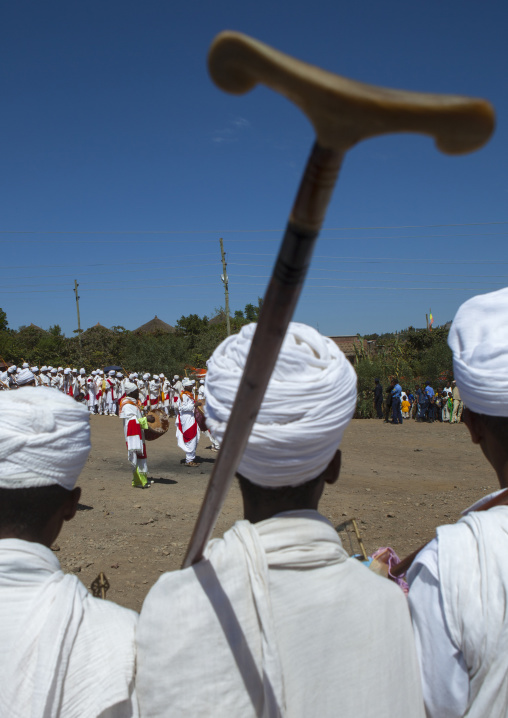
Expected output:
(74, 371)
(176, 376)
(67, 371)
(53, 371)
(34, 369)
(25, 365)
(119, 375)
(161, 376)
(201, 381)
(111, 372)
(50, 368)
(44, 438)
(60, 368)
(94, 373)
(11, 369)
(156, 377)
(129, 386)
(146, 376)
(82, 371)
(478, 339)
(25, 376)
(44, 368)
(187, 382)
(309, 402)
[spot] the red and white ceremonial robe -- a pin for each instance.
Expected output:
(134, 440)
(187, 430)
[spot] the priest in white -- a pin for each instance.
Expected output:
(187, 429)
(63, 653)
(277, 620)
(459, 583)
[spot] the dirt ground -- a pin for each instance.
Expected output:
(399, 482)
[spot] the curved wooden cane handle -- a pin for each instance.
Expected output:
(344, 112)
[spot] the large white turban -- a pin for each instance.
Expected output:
(44, 438)
(129, 386)
(309, 402)
(478, 339)
(25, 376)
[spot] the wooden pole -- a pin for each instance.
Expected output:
(343, 113)
(76, 285)
(225, 280)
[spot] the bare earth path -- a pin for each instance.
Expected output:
(400, 482)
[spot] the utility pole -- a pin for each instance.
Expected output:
(224, 278)
(76, 285)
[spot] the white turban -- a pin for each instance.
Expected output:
(44, 438)
(34, 369)
(11, 369)
(309, 402)
(478, 339)
(25, 365)
(176, 376)
(67, 371)
(25, 376)
(187, 382)
(44, 368)
(82, 371)
(146, 376)
(129, 386)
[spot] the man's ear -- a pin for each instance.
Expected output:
(332, 471)
(474, 424)
(71, 505)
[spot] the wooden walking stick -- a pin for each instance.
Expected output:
(343, 113)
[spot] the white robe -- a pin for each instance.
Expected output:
(459, 604)
(277, 621)
(62, 652)
(185, 417)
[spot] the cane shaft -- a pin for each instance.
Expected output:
(278, 307)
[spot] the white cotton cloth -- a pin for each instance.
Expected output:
(478, 339)
(44, 438)
(62, 652)
(276, 620)
(24, 377)
(473, 597)
(129, 386)
(310, 399)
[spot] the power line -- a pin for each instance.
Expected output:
(242, 231)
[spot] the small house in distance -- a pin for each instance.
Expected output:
(353, 345)
(155, 326)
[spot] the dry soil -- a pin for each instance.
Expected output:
(399, 482)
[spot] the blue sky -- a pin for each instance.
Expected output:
(122, 164)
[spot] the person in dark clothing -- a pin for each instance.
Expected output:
(378, 399)
(388, 405)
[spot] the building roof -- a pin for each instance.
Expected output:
(348, 344)
(155, 326)
(96, 326)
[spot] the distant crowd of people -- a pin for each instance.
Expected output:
(421, 404)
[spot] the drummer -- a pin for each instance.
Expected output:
(134, 424)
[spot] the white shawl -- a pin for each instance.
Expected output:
(57, 657)
(277, 621)
(473, 574)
